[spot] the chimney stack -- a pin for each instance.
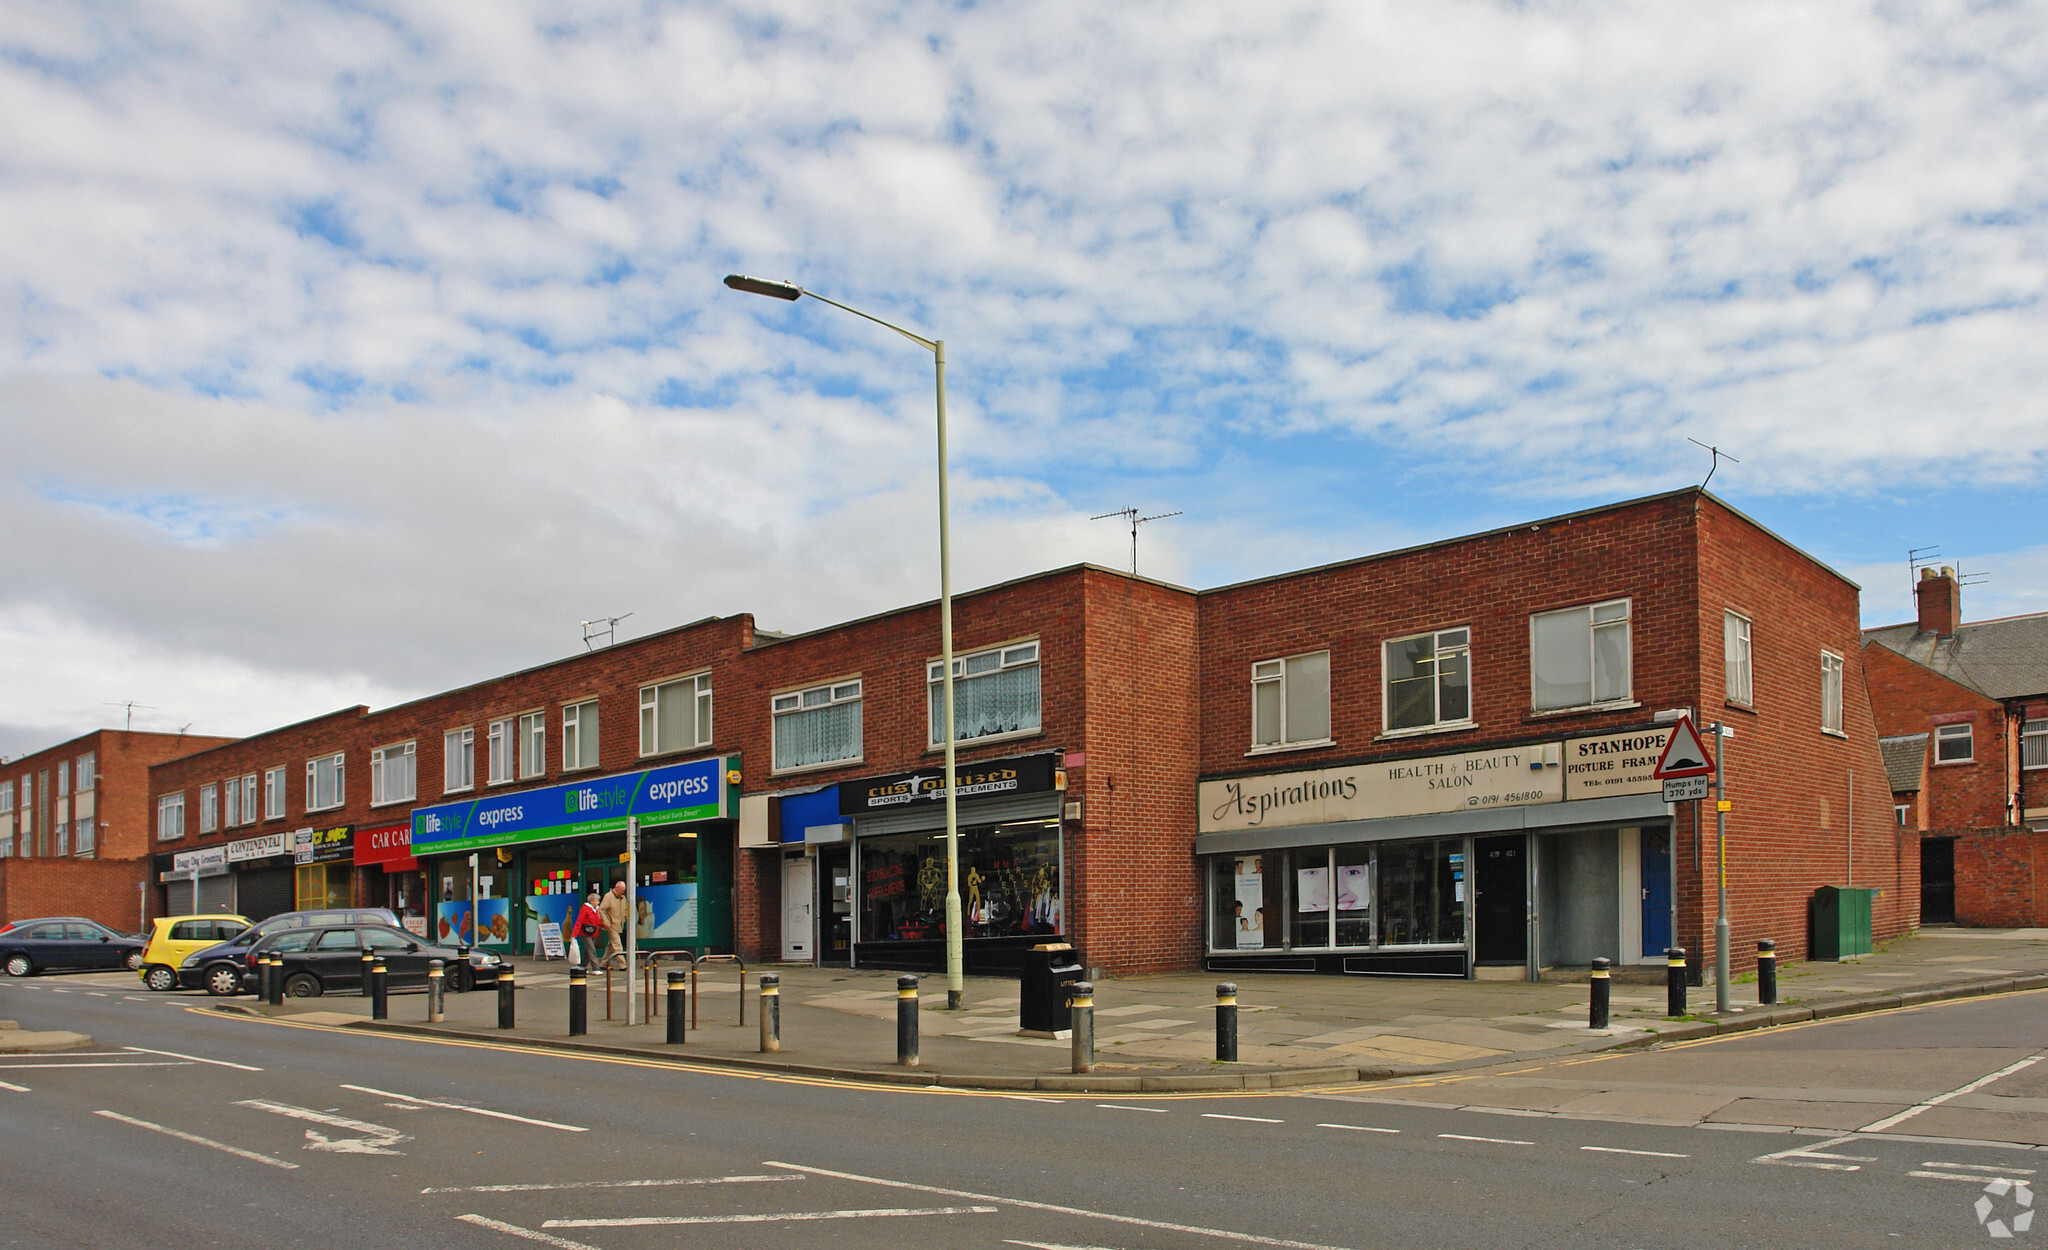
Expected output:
(1941, 601)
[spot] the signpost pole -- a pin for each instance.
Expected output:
(635, 1009)
(1721, 736)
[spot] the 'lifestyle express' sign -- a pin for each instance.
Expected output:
(667, 795)
(1412, 787)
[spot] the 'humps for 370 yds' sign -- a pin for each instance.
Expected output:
(659, 796)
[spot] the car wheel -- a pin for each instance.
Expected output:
(302, 985)
(223, 981)
(161, 978)
(20, 966)
(134, 961)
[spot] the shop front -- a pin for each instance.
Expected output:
(1496, 863)
(324, 866)
(1011, 864)
(495, 869)
(263, 869)
(195, 882)
(392, 877)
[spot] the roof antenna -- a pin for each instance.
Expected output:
(606, 627)
(1131, 514)
(1915, 557)
(131, 705)
(1719, 456)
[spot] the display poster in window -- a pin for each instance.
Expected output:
(1354, 887)
(551, 940)
(1312, 889)
(451, 922)
(543, 910)
(493, 921)
(1250, 906)
(415, 925)
(666, 911)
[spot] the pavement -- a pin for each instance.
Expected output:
(15, 1040)
(1156, 1033)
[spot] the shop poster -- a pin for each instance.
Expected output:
(551, 940)
(494, 921)
(1250, 906)
(666, 911)
(554, 909)
(451, 924)
(1354, 887)
(1312, 889)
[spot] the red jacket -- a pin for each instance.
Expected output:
(589, 922)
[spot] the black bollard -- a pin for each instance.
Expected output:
(1767, 972)
(906, 1021)
(437, 973)
(1226, 1022)
(508, 992)
(1083, 1007)
(1674, 981)
(380, 991)
(1603, 987)
(274, 968)
(459, 979)
(771, 1012)
(675, 1007)
(579, 1001)
(363, 985)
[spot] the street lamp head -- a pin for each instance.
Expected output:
(762, 286)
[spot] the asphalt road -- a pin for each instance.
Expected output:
(309, 1136)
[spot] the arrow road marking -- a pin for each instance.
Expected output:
(456, 1106)
(1812, 1156)
(500, 1226)
(375, 1140)
(197, 1140)
(219, 1063)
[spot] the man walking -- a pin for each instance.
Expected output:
(617, 914)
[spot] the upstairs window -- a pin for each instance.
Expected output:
(231, 801)
(458, 759)
(88, 839)
(533, 744)
(1429, 680)
(579, 735)
(2034, 744)
(1830, 692)
(63, 778)
(394, 774)
(1954, 744)
(501, 750)
(88, 770)
(209, 808)
(994, 692)
(248, 798)
(273, 793)
(170, 817)
(675, 715)
(1579, 657)
(820, 725)
(324, 782)
(1291, 700)
(1736, 656)
(6, 798)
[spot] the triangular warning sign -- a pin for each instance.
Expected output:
(1685, 755)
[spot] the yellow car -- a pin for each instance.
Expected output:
(172, 938)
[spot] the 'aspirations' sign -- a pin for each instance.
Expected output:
(1505, 777)
(672, 794)
(1021, 774)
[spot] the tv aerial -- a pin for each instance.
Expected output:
(1131, 515)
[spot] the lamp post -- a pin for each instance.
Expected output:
(956, 991)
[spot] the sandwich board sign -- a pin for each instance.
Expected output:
(1684, 767)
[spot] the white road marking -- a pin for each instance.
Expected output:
(94, 994)
(1117, 1106)
(1978, 1167)
(218, 1063)
(1047, 1245)
(376, 1139)
(688, 1180)
(1164, 1226)
(55, 990)
(500, 1226)
(1890, 1120)
(1980, 1179)
(197, 1140)
(19, 1089)
(1031, 1098)
(1360, 1128)
(776, 1217)
(145, 1063)
(1494, 1141)
(1254, 1119)
(1616, 1150)
(456, 1106)
(1814, 1157)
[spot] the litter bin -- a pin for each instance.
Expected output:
(1048, 971)
(1841, 922)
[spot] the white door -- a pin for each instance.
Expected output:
(796, 910)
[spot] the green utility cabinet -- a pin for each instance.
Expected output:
(1841, 921)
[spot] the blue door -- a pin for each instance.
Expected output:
(1656, 890)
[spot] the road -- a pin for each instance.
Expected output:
(183, 1125)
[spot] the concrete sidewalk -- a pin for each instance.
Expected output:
(1157, 1032)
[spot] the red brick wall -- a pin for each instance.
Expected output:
(98, 889)
(2000, 877)
(1908, 698)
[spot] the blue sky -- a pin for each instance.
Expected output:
(353, 351)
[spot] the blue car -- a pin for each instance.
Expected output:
(218, 968)
(65, 944)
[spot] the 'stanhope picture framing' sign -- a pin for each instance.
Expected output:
(1619, 763)
(671, 794)
(1022, 774)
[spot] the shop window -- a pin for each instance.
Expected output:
(394, 774)
(273, 793)
(1830, 692)
(820, 725)
(1735, 640)
(170, 818)
(209, 808)
(1291, 700)
(1009, 883)
(1421, 892)
(533, 744)
(458, 759)
(1343, 897)
(1579, 657)
(1429, 680)
(2034, 744)
(501, 751)
(675, 715)
(88, 771)
(579, 735)
(994, 692)
(326, 885)
(1954, 744)
(325, 778)
(86, 841)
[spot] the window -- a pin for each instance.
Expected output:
(675, 715)
(6, 798)
(273, 793)
(249, 798)
(63, 846)
(579, 735)
(533, 744)
(2034, 744)
(1830, 692)
(1579, 657)
(170, 818)
(1736, 652)
(84, 845)
(394, 774)
(1953, 744)
(1429, 680)
(1291, 700)
(1901, 811)
(458, 759)
(324, 780)
(28, 809)
(63, 778)
(994, 692)
(500, 751)
(231, 801)
(209, 808)
(817, 726)
(88, 770)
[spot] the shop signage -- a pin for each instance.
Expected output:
(384, 845)
(1623, 763)
(673, 794)
(1506, 777)
(208, 862)
(262, 846)
(323, 846)
(1022, 774)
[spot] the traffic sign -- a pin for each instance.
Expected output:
(1685, 755)
(1682, 789)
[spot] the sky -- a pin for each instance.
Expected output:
(352, 352)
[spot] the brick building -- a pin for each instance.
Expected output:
(1963, 713)
(74, 826)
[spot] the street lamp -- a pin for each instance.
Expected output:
(956, 990)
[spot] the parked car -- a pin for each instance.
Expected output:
(328, 961)
(172, 938)
(218, 969)
(65, 944)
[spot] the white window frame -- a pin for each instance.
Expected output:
(1738, 656)
(231, 802)
(338, 762)
(85, 842)
(502, 751)
(28, 808)
(652, 698)
(1832, 669)
(249, 813)
(580, 722)
(63, 778)
(2034, 743)
(209, 807)
(6, 798)
(88, 770)
(1010, 657)
(821, 697)
(402, 759)
(1439, 648)
(275, 800)
(170, 817)
(533, 745)
(1962, 731)
(1619, 618)
(458, 760)
(1900, 811)
(1273, 674)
